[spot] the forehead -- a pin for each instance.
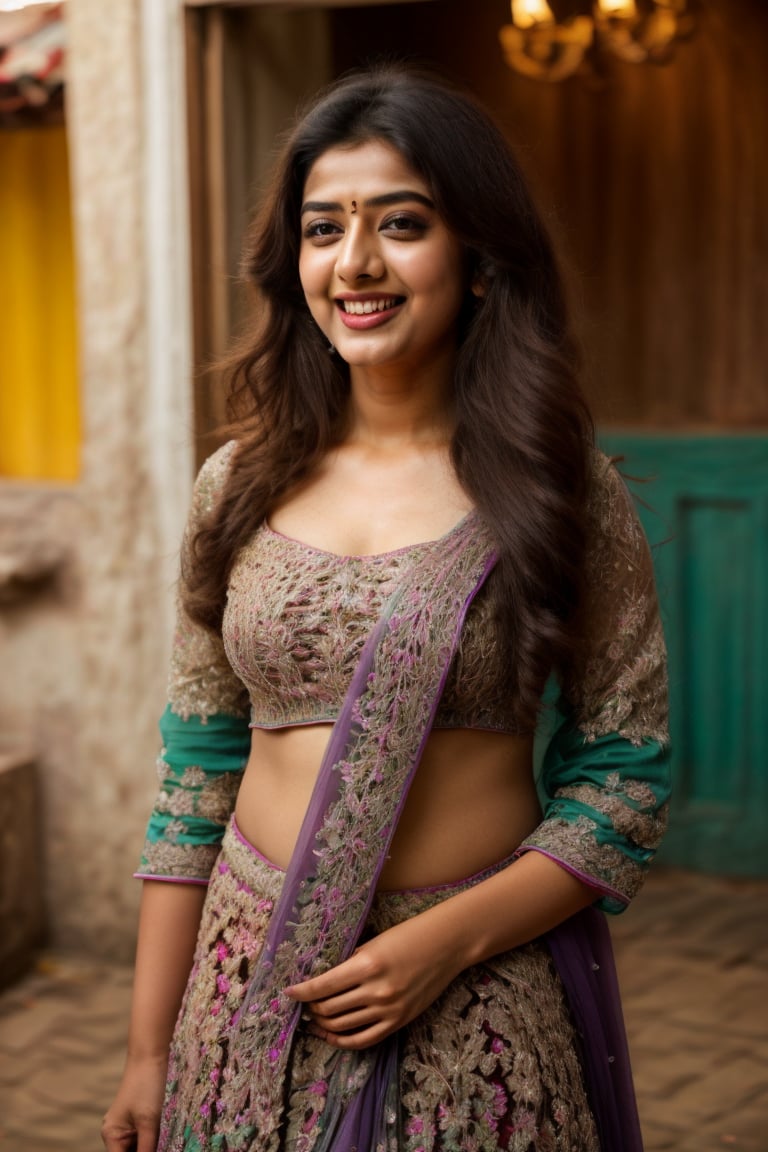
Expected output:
(360, 171)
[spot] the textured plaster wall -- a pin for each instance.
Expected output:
(40, 691)
(121, 647)
(85, 641)
(125, 600)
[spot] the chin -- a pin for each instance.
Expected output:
(363, 357)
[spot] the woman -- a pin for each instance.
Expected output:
(410, 533)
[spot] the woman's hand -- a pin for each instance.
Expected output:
(387, 982)
(393, 977)
(132, 1123)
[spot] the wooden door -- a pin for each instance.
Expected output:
(248, 69)
(706, 513)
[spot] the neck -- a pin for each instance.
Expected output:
(391, 409)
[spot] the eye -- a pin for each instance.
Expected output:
(404, 225)
(321, 231)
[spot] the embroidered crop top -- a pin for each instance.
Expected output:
(295, 622)
(297, 618)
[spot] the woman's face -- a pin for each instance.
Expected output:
(383, 276)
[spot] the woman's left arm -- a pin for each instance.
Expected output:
(605, 782)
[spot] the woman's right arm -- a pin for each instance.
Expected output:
(168, 924)
(206, 741)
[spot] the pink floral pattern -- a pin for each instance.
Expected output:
(491, 1066)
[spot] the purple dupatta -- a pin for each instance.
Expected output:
(583, 955)
(374, 750)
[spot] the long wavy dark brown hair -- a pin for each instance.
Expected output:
(523, 435)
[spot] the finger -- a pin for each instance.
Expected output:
(148, 1135)
(346, 1021)
(118, 1140)
(330, 983)
(139, 1138)
(335, 1005)
(353, 1041)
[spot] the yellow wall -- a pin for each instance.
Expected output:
(39, 403)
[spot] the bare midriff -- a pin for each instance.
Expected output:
(471, 804)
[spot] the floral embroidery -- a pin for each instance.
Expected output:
(217, 798)
(491, 1065)
(604, 865)
(191, 810)
(296, 649)
(201, 682)
(213, 799)
(619, 681)
(297, 618)
(168, 859)
(617, 685)
(630, 806)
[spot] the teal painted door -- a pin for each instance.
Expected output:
(706, 515)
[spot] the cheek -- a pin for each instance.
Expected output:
(314, 283)
(315, 270)
(306, 273)
(313, 294)
(441, 276)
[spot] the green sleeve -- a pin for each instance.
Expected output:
(605, 805)
(204, 729)
(200, 767)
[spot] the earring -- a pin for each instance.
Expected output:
(331, 350)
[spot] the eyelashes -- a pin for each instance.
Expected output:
(404, 222)
(321, 230)
(401, 224)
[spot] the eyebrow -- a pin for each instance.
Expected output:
(382, 201)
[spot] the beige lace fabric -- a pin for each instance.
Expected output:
(201, 681)
(619, 682)
(492, 1064)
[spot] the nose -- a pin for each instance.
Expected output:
(358, 255)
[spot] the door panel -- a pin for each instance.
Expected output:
(705, 510)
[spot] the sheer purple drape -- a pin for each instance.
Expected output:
(583, 955)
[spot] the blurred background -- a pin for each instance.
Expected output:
(135, 136)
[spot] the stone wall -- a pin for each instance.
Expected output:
(41, 687)
(22, 912)
(137, 460)
(85, 635)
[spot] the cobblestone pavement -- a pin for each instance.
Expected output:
(693, 964)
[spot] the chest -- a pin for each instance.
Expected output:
(357, 507)
(297, 619)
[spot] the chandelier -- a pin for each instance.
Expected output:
(540, 45)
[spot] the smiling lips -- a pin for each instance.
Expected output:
(368, 313)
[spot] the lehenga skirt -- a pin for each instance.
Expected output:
(494, 1064)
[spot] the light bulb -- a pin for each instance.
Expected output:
(526, 13)
(619, 9)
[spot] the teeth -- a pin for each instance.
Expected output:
(365, 307)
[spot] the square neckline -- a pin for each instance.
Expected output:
(370, 555)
